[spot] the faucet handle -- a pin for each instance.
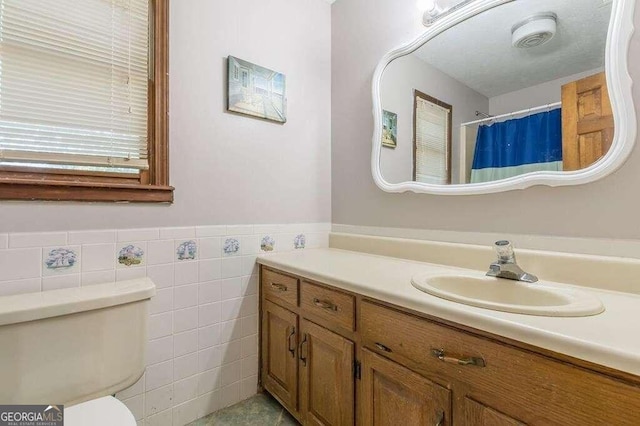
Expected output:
(504, 250)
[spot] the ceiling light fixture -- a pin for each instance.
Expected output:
(436, 9)
(534, 31)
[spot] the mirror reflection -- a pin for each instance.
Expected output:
(519, 88)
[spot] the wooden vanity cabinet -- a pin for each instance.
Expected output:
(326, 377)
(279, 354)
(476, 414)
(492, 379)
(394, 395)
(412, 369)
(306, 361)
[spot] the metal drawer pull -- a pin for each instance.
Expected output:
(382, 347)
(440, 419)
(302, 357)
(280, 287)
(292, 350)
(440, 354)
(325, 304)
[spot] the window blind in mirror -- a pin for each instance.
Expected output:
(432, 129)
(74, 81)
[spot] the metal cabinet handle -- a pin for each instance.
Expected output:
(440, 419)
(278, 286)
(442, 356)
(292, 349)
(303, 358)
(382, 347)
(325, 304)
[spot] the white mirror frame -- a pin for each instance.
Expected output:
(618, 81)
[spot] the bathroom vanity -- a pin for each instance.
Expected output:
(346, 339)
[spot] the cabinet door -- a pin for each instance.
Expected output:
(392, 395)
(279, 361)
(326, 377)
(477, 414)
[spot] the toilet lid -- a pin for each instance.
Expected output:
(106, 411)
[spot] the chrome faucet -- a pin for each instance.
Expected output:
(506, 266)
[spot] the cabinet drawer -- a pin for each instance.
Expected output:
(334, 306)
(279, 288)
(399, 335)
(510, 380)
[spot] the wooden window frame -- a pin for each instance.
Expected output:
(150, 186)
(419, 95)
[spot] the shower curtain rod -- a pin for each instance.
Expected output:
(511, 114)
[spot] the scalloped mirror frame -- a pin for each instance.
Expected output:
(618, 81)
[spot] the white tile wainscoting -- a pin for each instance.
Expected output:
(203, 342)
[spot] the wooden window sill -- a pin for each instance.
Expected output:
(51, 190)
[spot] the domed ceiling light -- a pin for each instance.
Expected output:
(534, 31)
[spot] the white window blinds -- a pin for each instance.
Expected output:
(432, 134)
(74, 84)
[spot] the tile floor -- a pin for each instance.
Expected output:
(260, 410)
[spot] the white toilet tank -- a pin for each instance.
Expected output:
(72, 345)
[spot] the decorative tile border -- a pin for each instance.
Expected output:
(187, 250)
(231, 247)
(60, 261)
(131, 255)
(268, 243)
(299, 242)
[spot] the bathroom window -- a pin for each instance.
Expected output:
(83, 100)
(431, 139)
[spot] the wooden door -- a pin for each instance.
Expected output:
(587, 122)
(392, 395)
(279, 354)
(477, 414)
(326, 377)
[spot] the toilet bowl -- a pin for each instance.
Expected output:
(76, 347)
(105, 411)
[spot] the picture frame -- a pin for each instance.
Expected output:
(256, 91)
(389, 129)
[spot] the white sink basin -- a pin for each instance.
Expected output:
(505, 295)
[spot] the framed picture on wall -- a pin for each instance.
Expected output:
(389, 129)
(256, 91)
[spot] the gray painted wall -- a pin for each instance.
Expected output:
(401, 77)
(229, 169)
(361, 35)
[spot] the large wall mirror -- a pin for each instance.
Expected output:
(502, 95)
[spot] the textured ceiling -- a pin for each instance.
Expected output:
(478, 52)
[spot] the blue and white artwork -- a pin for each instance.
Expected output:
(187, 250)
(389, 129)
(267, 243)
(61, 259)
(299, 241)
(130, 255)
(231, 246)
(256, 91)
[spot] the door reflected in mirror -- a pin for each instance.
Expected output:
(519, 88)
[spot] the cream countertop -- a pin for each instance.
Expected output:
(611, 339)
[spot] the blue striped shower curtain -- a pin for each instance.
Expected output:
(515, 147)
